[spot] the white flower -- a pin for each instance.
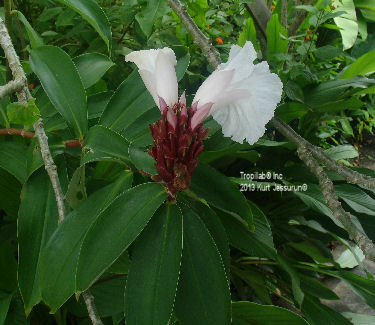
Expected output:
(240, 96)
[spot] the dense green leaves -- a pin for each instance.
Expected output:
(115, 229)
(91, 11)
(251, 313)
(153, 10)
(59, 258)
(61, 82)
(37, 220)
(203, 290)
(154, 269)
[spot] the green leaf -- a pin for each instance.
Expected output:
(91, 11)
(8, 267)
(347, 22)
(359, 319)
(97, 102)
(246, 313)
(115, 229)
(362, 66)
(91, 67)
(153, 10)
(248, 33)
(59, 257)
(275, 42)
(37, 220)
(104, 144)
(35, 39)
(356, 198)
(318, 314)
(332, 90)
(142, 160)
(317, 289)
(203, 295)
(130, 100)
(217, 190)
(215, 228)
(5, 299)
(345, 151)
(12, 159)
(61, 82)
(294, 91)
(154, 269)
(290, 111)
(23, 114)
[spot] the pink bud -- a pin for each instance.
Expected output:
(183, 116)
(182, 100)
(172, 118)
(200, 115)
(163, 105)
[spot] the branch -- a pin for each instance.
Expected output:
(93, 313)
(23, 96)
(21, 132)
(261, 13)
(11, 87)
(212, 55)
(360, 238)
(351, 176)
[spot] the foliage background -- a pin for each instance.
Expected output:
(281, 242)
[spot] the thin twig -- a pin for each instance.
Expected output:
(90, 304)
(284, 13)
(21, 132)
(23, 96)
(360, 238)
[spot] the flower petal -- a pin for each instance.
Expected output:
(246, 118)
(157, 71)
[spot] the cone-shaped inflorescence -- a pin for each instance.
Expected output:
(177, 146)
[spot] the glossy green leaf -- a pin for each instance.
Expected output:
(257, 243)
(91, 11)
(294, 91)
(217, 190)
(318, 314)
(246, 313)
(153, 10)
(356, 198)
(35, 39)
(61, 82)
(59, 257)
(105, 144)
(129, 102)
(23, 114)
(362, 66)
(347, 22)
(215, 228)
(37, 220)
(275, 42)
(154, 269)
(359, 319)
(91, 67)
(203, 295)
(96, 103)
(115, 229)
(5, 299)
(12, 159)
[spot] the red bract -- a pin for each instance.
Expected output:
(176, 147)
